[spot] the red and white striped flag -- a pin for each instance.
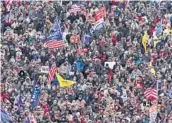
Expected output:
(55, 44)
(75, 9)
(151, 94)
(51, 73)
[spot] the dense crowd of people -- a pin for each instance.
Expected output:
(112, 68)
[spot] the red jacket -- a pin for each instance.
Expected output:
(152, 30)
(110, 76)
(157, 20)
(114, 40)
(46, 109)
(83, 121)
(4, 96)
(139, 18)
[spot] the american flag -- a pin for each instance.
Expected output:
(55, 44)
(51, 73)
(55, 39)
(100, 14)
(151, 93)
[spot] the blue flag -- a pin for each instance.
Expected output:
(55, 39)
(98, 25)
(55, 35)
(36, 93)
(56, 25)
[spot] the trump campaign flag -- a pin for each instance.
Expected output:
(55, 39)
(36, 93)
(100, 14)
(99, 20)
(97, 26)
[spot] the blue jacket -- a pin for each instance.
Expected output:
(80, 65)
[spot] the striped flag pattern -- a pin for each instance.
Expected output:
(75, 9)
(55, 44)
(151, 93)
(51, 73)
(55, 39)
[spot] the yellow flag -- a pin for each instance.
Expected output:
(63, 82)
(145, 41)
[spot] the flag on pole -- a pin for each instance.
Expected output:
(36, 93)
(99, 20)
(51, 73)
(97, 26)
(63, 82)
(100, 14)
(55, 39)
(152, 93)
